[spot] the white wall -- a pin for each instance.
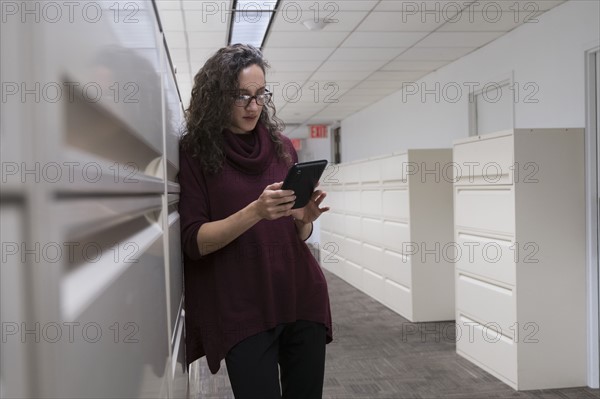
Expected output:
(549, 54)
(313, 149)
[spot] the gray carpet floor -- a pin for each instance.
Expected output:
(377, 353)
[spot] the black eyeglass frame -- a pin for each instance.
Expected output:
(247, 99)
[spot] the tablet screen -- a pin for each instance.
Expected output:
(303, 178)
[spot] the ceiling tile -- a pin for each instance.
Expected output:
(379, 84)
(200, 55)
(391, 76)
(306, 39)
(492, 21)
(366, 53)
(183, 68)
(419, 53)
(178, 54)
(351, 66)
(529, 8)
(401, 65)
(172, 20)
(334, 76)
(293, 66)
(383, 39)
(370, 91)
(210, 7)
(324, 8)
(276, 54)
(281, 80)
(304, 108)
(459, 39)
(206, 39)
(167, 5)
(184, 77)
(394, 21)
(416, 6)
(176, 39)
(196, 20)
(341, 21)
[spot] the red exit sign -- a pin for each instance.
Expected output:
(318, 131)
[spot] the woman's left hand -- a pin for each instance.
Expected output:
(311, 211)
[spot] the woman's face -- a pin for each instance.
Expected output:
(251, 82)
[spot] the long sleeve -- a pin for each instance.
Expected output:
(194, 207)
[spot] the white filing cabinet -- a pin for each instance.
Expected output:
(91, 277)
(389, 230)
(520, 269)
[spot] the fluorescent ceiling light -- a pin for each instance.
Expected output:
(250, 21)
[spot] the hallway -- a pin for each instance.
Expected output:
(376, 353)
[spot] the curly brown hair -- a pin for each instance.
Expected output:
(210, 107)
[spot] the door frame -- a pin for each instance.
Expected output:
(592, 149)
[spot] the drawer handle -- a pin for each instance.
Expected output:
(500, 241)
(483, 284)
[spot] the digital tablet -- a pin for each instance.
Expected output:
(303, 178)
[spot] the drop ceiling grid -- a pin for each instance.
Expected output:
(375, 46)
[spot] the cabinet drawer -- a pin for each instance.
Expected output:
(330, 261)
(335, 199)
(352, 250)
(397, 267)
(398, 298)
(373, 284)
(395, 204)
(352, 226)
(335, 244)
(326, 221)
(493, 305)
(372, 230)
(488, 257)
(394, 169)
(354, 274)
(351, 173)
(396, 235)
(370, 172)
(373, 258)
(485, 209)
(325, 237)
(495, 353)
(485, 161)
(370, 202)
(336, 223)
(352, 201)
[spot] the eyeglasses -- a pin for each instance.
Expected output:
(243, 100)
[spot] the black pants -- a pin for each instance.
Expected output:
(298, 347)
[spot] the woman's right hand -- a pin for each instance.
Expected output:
(274, 202)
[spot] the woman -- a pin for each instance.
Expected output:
(255, 296)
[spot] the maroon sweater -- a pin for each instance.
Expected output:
(265, 277)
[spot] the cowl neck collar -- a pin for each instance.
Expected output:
(251, 159)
